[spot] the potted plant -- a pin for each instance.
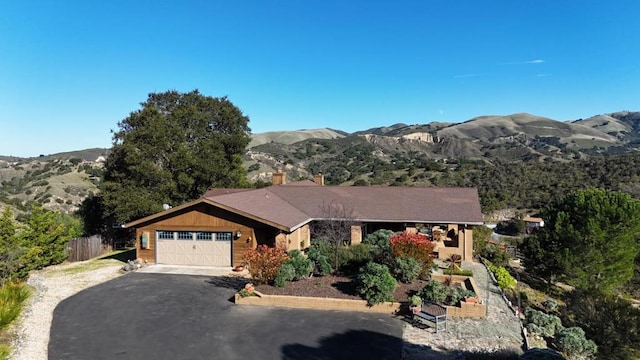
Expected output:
(239, 268)
(415, 304)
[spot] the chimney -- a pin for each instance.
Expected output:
(319, 179)
(279, 177)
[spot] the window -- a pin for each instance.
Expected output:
(224, 236)
(164, 235)
(204, 236)
(197, 235)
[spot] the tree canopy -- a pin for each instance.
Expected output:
(589, 240)
(41, 241)
(171, 151)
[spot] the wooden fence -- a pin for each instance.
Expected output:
(86, 248)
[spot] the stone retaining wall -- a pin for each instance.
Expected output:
(317, 303)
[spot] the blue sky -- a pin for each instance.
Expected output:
(70, 70)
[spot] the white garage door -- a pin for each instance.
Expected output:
(203, 248)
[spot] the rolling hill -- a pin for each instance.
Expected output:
(399, 154)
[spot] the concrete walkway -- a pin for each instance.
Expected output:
(498, 334)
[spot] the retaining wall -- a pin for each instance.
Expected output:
(303, 302)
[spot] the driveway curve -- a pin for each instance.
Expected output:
(161, 316)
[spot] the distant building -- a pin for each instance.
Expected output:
(532, 223)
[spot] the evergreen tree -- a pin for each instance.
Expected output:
(589, 240)
(10, 247)
(171, 151)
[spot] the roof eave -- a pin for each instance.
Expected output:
(206, 201)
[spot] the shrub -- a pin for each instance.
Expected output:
(356, 256)
(455, 294)
(504, 279)
(264, 262)
(302, 266)
(12, 297)
(492, 252)
(287, 272)
(572, 342)
(542, 323)
(379, 238)
(350, 257)
(550, 305)
(457, 272)
(320, 261)
(407, 269)
(413, 246)
(609, 320)
(375, 283)
(434, 291)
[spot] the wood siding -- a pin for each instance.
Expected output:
(202, 217)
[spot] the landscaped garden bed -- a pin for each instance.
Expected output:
(337, 287)
(384, 274)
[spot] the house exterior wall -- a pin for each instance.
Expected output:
(461, 242)
(198, 218)
(299, 239)
(356, 234)
(468, 244)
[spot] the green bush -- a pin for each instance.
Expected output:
(434, 291)
(12, 298)
(492, 252)
(504, 279)
(456, 294)
(320, 260)
(287, 272)
(541, 323)
(462, 272)
(375, 283)
(350, 257)
(379, 238)
(407, 269)
(356, 256)
(572, 342)
(550, 305)
(303, 267)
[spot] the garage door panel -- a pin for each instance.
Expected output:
(194, 252)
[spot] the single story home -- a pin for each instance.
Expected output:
(221, 226)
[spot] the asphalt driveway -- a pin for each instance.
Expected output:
(161, 316)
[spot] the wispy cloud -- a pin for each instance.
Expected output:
(465, 76)
(542, 75)
(536, 61)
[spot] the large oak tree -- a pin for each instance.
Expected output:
(171, 151)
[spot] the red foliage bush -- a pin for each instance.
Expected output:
(264, 262)
(416, 246)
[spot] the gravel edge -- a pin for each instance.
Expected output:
(30, 334)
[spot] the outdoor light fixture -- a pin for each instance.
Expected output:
(238, 234)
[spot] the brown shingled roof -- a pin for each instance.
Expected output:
(293, 205)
